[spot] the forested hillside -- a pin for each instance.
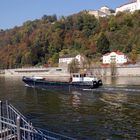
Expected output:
(43, 41)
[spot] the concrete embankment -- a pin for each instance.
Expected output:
(52, 74)
(117, 71)
(61, 74)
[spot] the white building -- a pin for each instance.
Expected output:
(129, 7)
(102, 12)
(114, 57)
(67, 60)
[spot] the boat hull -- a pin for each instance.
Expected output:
(63, 85)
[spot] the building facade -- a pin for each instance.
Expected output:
(114, 57)
(64, 61)
(129, 7)
(102, 12)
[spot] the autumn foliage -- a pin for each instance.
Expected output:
(42, 41)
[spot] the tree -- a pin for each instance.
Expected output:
(133, 55)
(103, 44)
(52, 18)
(113, 24)
(73, 67)
(54, 59)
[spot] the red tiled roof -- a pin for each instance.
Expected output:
(106, 54)
(117, 52)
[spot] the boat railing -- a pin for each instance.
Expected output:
(14, 126)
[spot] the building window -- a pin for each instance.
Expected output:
(58, 69)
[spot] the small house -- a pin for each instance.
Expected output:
(65, 60)
(115, 57)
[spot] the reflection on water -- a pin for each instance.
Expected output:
(97, 114)
(75, 100)
(121, 80)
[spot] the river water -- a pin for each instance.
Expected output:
(111, 112)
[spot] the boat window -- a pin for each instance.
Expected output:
(75, 75)
(84, 75)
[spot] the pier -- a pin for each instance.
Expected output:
(14, 126)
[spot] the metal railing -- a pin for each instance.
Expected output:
(14, 126)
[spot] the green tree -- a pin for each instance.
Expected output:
(133, 55)
(103, 44)
(113, 23)
(73, 67)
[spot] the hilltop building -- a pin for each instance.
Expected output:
(131, 7)
(105, 11)
(102, 12)
(115, 57)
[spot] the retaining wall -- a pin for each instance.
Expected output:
(117, 71)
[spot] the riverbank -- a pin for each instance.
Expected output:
(51, 73)
(121, 71)
(62, 73)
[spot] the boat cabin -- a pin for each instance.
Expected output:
(77, 77)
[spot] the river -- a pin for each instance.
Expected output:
(111, 112)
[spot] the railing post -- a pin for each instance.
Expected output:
(30, 134)
(18, 128)
(0, 115)
(7, 109)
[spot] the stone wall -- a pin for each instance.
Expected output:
(118, 71)
(54, 73)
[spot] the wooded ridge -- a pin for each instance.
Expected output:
(44, 40)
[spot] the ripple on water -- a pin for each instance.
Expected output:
(104, 113)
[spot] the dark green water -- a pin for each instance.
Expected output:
(111, 112)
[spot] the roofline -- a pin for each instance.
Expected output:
(117, 52)
(127, 3)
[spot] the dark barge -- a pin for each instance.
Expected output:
(77, 81)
